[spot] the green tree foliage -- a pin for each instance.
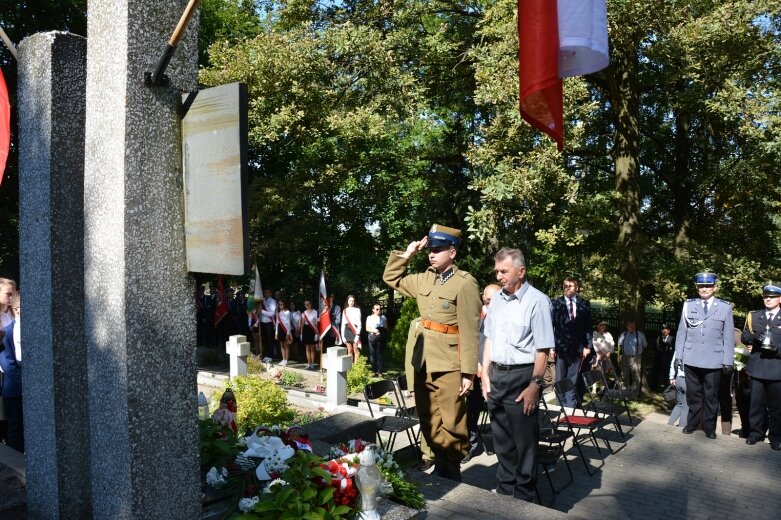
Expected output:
(670, 155)
(353, 151)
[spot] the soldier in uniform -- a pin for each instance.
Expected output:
(705, 344)
(763, 333)
(444, 358)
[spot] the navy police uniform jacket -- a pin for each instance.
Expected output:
(706, 341)
(763, 364)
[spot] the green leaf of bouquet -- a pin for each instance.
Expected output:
(320, 472)
(309, 494)
(325, 495)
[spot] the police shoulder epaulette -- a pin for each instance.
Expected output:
(692, 299)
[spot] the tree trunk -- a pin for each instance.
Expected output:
(623, 84)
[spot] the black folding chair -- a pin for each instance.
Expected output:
(576, 423)
(616, 389)
(600, 402)
(550, 447)
(401, 421)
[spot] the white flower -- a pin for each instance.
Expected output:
(216, 478)
(275, 463)
(275, 482)
(248, 504)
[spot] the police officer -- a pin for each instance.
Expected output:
(705, 344)
(763, 333)
(444, 359)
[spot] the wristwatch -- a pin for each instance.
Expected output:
(538, 381)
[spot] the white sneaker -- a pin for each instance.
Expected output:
(282, 363)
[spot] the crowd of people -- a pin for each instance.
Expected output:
(520, 341)
(279, 330)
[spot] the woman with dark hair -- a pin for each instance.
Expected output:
(376, 326)
(351, 328)
(284, 331)
(309, 323)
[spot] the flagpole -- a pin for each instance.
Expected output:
(155, 77)
(8, 43)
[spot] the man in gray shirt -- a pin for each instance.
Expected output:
(519, 334)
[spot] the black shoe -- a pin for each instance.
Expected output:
(710, 435)
(775, 445)
(687, 430)
(752, 440)
(425, 465)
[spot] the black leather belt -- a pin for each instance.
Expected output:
(506, 368)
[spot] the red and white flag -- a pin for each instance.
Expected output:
(222, 302)
(258, 291)
(5, 125)
(324, 324)
(557, 39)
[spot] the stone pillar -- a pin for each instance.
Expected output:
(237, 348)
(52, 78)
(139, 313)
(338, 362)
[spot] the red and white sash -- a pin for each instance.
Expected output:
(352, 327)
(311, 325)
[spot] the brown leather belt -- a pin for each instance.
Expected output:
(439, 327)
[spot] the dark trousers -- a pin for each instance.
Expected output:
(376, 348)
(474, 405)
(765, 397)
(270, 348)
(569, 365)
(515, 435)
(702, 396)
(13, 412)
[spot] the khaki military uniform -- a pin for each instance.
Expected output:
(445, 346)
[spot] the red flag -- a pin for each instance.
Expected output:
(541, 92)
(5, 125)
(222, 302)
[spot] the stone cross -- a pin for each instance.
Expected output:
(337, 362)
(238, 349)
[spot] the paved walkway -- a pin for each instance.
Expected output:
(659, 473)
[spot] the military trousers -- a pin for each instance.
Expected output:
(442, 416)
(765, 397)
(702, 396)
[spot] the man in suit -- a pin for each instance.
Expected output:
(571, 316)
(763, 335)
(444, 358)
(705, 344)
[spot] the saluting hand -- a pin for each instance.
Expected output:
(415, 247)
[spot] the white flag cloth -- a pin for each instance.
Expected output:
(258, 295)
(583, 47)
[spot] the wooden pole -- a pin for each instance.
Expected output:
(8, 42)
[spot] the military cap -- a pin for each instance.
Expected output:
(705, 278)
(772, 289)
(443, 236)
